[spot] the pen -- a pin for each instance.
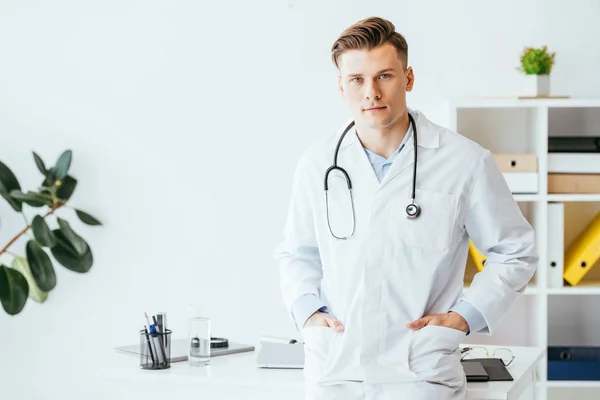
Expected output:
(153, 343)
(149, 345)
(158, 327)
(159, 330)
(162, 325)
(162, 358)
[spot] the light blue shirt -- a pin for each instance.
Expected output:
(308, 304)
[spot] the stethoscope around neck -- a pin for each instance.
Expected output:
(412, 211)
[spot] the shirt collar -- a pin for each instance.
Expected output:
(376, 158)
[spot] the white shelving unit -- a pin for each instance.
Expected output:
(544, 316)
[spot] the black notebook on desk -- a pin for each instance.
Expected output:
(494, 368)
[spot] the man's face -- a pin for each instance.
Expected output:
(374, 82)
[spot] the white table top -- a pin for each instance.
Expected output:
(521, 370)
(236, 376)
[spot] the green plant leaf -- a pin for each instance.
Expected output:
(62, 165)
(8, 183)
(87, 218)
(49, 181)
(35, 293)
(66, 188)
(64, 243)
(13, 290)
(42, 232)
(32, 198)
(66, 255)
(40, 164)
(73, 238)
(41, 266)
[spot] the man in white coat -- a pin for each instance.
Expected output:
(377, 296)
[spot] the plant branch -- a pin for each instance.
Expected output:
(24, 230)
(24, 217)
(26, 221)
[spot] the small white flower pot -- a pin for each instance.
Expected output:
(537, 85)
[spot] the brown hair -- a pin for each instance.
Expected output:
(368, 34)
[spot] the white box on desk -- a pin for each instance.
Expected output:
(522, 182)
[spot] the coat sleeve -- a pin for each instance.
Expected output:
(297, 255)
(501, 233)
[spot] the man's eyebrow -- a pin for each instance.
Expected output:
(378, 73)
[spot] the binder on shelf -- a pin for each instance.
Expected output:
(556, 239)
(574, 183)
(583, 253)
(574, 144)
(574, 363)
(516, 162)
(477, 257)
(574, 163)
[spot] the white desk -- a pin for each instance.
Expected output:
(237, 377)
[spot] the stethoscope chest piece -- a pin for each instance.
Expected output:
(413, 211)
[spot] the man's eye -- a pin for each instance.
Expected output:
(356, 80)
(384, 76)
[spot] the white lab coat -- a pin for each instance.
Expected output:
(394, 270)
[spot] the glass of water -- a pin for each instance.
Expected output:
(199, 338)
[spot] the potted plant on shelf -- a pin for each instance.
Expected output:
(536, 64)
(32, 275)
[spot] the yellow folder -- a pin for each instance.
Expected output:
(478, 258)
(583, 253)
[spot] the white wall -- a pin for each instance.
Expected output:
(186, 119)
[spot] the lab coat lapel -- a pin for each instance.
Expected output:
(427, 138)
(404, 160)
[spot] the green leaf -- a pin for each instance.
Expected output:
(8, 183)
(66, 255)
(13, 290)
(62, 165)
(42, 232)
(87, 218)
(41, 266)
(74, 239)
(40, 164)
(35, 293)
(49, 181)
(32, 198)
(63, 243)
(66, 188)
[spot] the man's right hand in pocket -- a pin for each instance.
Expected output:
(324, 319)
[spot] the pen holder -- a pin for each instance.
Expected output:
(155, 350)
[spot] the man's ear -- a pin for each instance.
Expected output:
(340, 86)
(410, 78)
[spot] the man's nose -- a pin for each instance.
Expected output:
(372, 92)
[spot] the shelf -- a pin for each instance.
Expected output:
(527, 197)
(573, 384)
(513, 102)
(584, 288)
(573, 197)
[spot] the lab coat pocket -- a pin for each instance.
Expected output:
(434, 227)
(318, 341)
(435, 356)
